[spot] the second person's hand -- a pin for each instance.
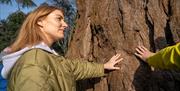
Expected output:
(143, 53)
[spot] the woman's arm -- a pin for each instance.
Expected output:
(84, 69)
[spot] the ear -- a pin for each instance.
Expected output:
(40, 23)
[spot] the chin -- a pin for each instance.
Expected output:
(61, 37)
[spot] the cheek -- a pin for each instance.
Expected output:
(53, 26)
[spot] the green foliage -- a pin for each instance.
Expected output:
(22, 3)
(26, 3)
(6, 1)
(9, 27)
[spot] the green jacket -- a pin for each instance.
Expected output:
(167, 58)
(39, 70)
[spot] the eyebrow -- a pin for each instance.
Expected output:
(60, 16)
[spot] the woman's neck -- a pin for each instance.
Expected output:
(48, 43)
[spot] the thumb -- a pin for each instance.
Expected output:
(116, 68)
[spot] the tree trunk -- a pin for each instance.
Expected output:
(107, 27)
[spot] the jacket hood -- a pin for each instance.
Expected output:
(10, 59)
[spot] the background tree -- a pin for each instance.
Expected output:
(9, 28)
(20, 3)
(106, 27)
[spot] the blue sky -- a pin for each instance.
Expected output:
(5, 9)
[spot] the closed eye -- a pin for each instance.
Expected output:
(60, 17)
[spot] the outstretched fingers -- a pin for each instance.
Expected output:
(115, 57)
(139, 55)
(141, 50)
(144, 48)
(143, 53)
(110, 65)
(119, 60)
(116, 68)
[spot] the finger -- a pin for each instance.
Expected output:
(140, 48)
(144, 48)
(117, 56)
(114, 58)
(116, 68)
(139, 51)
(138, 55)
(119, 60)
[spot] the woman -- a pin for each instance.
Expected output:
(37, 67)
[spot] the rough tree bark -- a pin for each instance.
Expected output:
(107, 27)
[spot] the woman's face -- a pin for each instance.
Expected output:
(53, 26)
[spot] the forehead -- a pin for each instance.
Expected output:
(56, 13)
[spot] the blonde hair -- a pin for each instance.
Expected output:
(30, 33)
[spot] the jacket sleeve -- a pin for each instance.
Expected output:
(31, 78)
(166, 58)
(84, 69)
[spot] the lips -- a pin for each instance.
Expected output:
(61, 29)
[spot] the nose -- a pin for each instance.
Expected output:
(64, 24)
